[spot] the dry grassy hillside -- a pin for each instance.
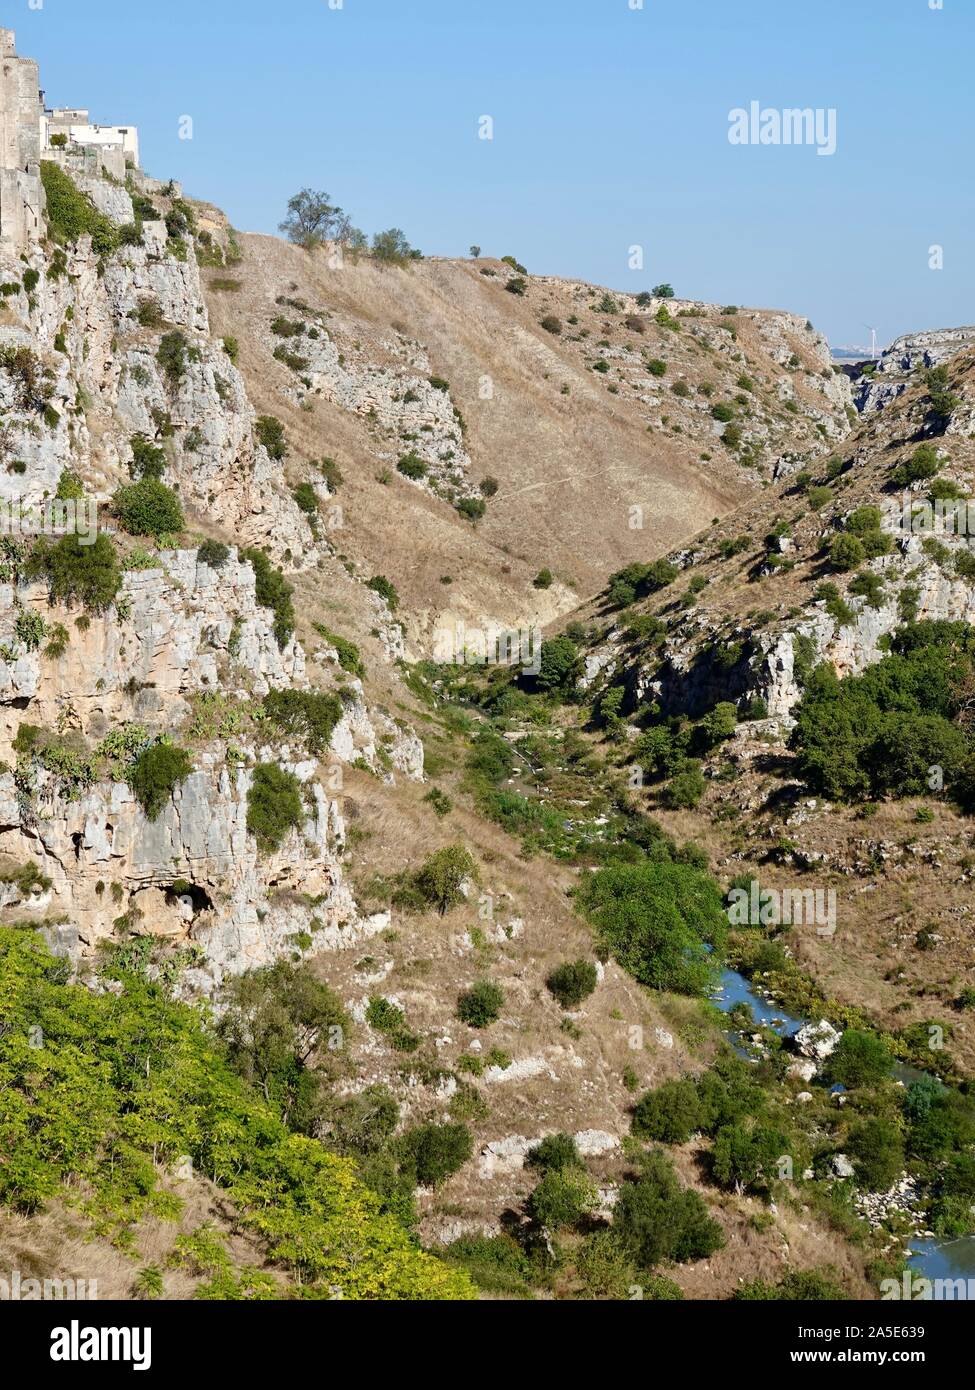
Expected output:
(594, 467)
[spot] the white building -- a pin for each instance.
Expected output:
(75, 124)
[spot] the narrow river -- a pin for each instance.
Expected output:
(932, 1259)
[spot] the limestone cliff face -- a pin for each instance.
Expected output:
(906, 355)
(89, 377)
(193, 876)
(103, 383)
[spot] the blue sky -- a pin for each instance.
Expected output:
(611, 130)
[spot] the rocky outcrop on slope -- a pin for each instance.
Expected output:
(891, 375)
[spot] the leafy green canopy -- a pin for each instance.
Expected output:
(883, 731)
(124, 1083)
(663, 922)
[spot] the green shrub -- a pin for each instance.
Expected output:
(213, 554)
(473, 508)
(88, 574)
(881, 731)
(150, 1070)
(440, 879)
(70, 214)
(385, 589)
(554, 1152)
(847, 552)
(923, 463)
(148, 508)
(309, 716)
(306, 499)
(436, 1152)
(274, 805)
(877, 1146)
(572, 982)
(173, 355)
(544, 579)
(686, 788)
(655, 1219)
(797, 1286)
(412, 467)
(746, 1157)
(558, 665)
(272, 591)
(148, 460)
(670, 1114)
(860, 1059)
(481, 1005)
(155, 775)
(659, 921)
(562, 1199)
(270, 433)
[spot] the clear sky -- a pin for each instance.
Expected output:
(610, 130)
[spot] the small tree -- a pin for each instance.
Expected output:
(475, 253)
(442, 876)
(313, 219)
(860, 1059)
(270, 433)
(392, 248)
(663, 291)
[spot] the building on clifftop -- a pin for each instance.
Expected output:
(30, 132)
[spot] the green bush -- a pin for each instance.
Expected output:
(923, 463)
(544, 579)
(655, 1219)
(440, 879)
(70, 214)
(473, 508)
(562, 1199)
(213, 554)
(883, 730)
(436, 1152)
(412, 467)
(140, 1082)
(877, 1146)
(148, 460)
(686, 788)
(481, 1005)
(274, 805)
(572, 982)
(746, 1157)
(148, 508)
(270, 433)
(309, 716)
(173, 355)
(88, 574)
(670, 1114)
(860, 1059)
(155, 775)
(558, 665)
(306, 499)
(554, 1152)
(272, 591)
(797, 1286)
(847, 552)
(385, 589)
(659, 921)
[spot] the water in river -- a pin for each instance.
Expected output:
(932, 1259)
